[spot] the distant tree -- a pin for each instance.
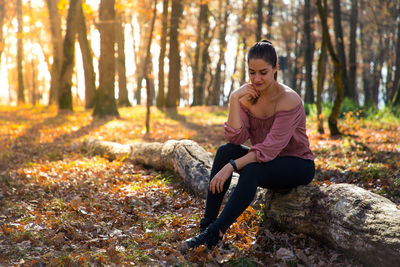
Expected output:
(337, 19)
(87, 59)
(144, 21)
(332, 120)
(147, 69)
(396, 82)
(163, 48)
(217, 88)
(123, 100)
(353, 51)
(320, 83)
(2, 16)
(201, 59)
(173, 94)
(57, 43)
(65, 93)
(308, 53)
(296, 53)
(270, 17)
(260, 4)
(20, 54)
(105, 103)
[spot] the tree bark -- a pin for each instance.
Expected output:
(123, 100)
(20, 54)
(332, 120)
(163, 48)
(308, 53)
(358, 222)
(87, 59)
(174, 87)
(65, 93)
(57, 42)
(105, 103)
(353, 51)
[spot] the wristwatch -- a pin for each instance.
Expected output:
(232, 162)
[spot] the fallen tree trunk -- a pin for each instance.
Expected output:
(358, 222)
(186, 158)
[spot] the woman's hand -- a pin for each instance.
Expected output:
(217, 182)
(246, 89)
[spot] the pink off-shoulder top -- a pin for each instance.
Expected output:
(282, 134)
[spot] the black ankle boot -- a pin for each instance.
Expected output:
(204, 223)
(209, 237)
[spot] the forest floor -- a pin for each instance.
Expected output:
(61, 206)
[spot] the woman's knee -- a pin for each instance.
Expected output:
(229, 150)
(250, 172)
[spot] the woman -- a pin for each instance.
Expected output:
(272, 116)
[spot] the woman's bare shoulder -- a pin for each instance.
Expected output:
(289, 99)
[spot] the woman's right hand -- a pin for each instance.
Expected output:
(246, 89)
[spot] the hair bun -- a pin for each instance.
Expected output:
(266, 41)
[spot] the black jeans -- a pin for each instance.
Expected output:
(282, 172)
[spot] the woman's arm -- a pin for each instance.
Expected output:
(217, 183)
(234, 120)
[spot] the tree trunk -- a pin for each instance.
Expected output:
(270, 18)
(337, 18)
(296, 55)
(396, 83)
(163, 48)
(360, 223)
(65, 93)
(147, 71)
(123, 100)
(226, 101)
(332, 121)
(201, 55)
(174, 87)
(353, 52)
(259, 20)
(223, 21)
(57, 42)
(308, 53)
(320, 85)
(20, 54)
(2, 16)
(87, 59)
(189, 160)
(366, 53)
(105, 100)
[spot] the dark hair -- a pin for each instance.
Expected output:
(264, 50)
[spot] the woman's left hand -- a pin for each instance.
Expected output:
(217, 182)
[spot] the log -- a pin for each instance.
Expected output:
(184, 157)
(360, 223)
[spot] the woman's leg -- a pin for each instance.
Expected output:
(282, 172)
(222, 157)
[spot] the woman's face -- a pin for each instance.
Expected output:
(261, 73)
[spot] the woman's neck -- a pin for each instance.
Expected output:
(271, 91)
